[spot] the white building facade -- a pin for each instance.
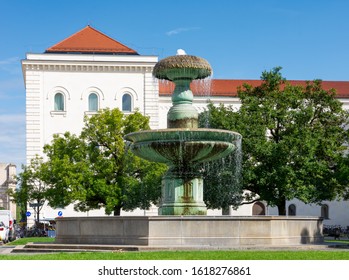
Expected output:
(62, 88)
(89, 71)
(7, 182)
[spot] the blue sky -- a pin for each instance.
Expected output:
(240, 39)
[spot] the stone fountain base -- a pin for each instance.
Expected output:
(190, 231)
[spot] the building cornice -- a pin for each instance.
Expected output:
(92, 57)
(85, 66)
(88, 63)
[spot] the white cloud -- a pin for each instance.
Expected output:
(180, 30)
(10, 60)
(9, 119)
(10, 86)
(11, 65)
(12, 139)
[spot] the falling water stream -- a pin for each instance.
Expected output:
(184, 147)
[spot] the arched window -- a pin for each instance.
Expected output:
(126, 103)
(258, 208)
(325, 211)
(292, 210)
(93, 102)
(59, 102)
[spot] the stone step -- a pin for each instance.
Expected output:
(55, 250)
(49, 247)
(82, 246)
(73, 248)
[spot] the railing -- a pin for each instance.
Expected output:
(336, 231)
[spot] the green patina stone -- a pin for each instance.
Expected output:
(183, 146)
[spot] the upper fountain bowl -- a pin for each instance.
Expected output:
(182, 67)
(183, 147)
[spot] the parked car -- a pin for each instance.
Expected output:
(7, 219)
(3, 233)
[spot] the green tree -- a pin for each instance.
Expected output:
(32, 188)
(68, 170)
(97, 170)
(293, 140)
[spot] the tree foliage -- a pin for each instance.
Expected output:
(33, 189)
(293, 140)
(97, 170)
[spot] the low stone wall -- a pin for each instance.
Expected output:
(187, 231)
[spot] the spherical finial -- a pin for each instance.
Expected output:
(181, 52)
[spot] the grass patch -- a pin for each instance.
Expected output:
(180, 255)
(25, 240)
(337, 241)
(188, 255)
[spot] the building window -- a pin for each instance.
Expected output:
(258, 208)
(292, 210)
(59, 102)
(93, 102)
(126, 103)
(325, 211)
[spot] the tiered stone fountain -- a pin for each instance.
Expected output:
(183, 146)
(182, 220)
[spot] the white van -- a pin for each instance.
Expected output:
(3, 233)
(7, 219)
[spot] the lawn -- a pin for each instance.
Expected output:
(181, 255)
(23, 241)
(187, 255)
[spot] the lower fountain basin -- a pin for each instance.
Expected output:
(183, 147)
(194, 232)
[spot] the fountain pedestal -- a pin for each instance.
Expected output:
(182, 196)
(182, 114)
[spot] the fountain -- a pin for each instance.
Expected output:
(183, 146)
(182, 219)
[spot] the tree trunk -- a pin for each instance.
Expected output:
(117, 211)
(38, 216)
(282, 207)
(226, 210)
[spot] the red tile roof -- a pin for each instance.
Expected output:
(230, 87)
(90, 40)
